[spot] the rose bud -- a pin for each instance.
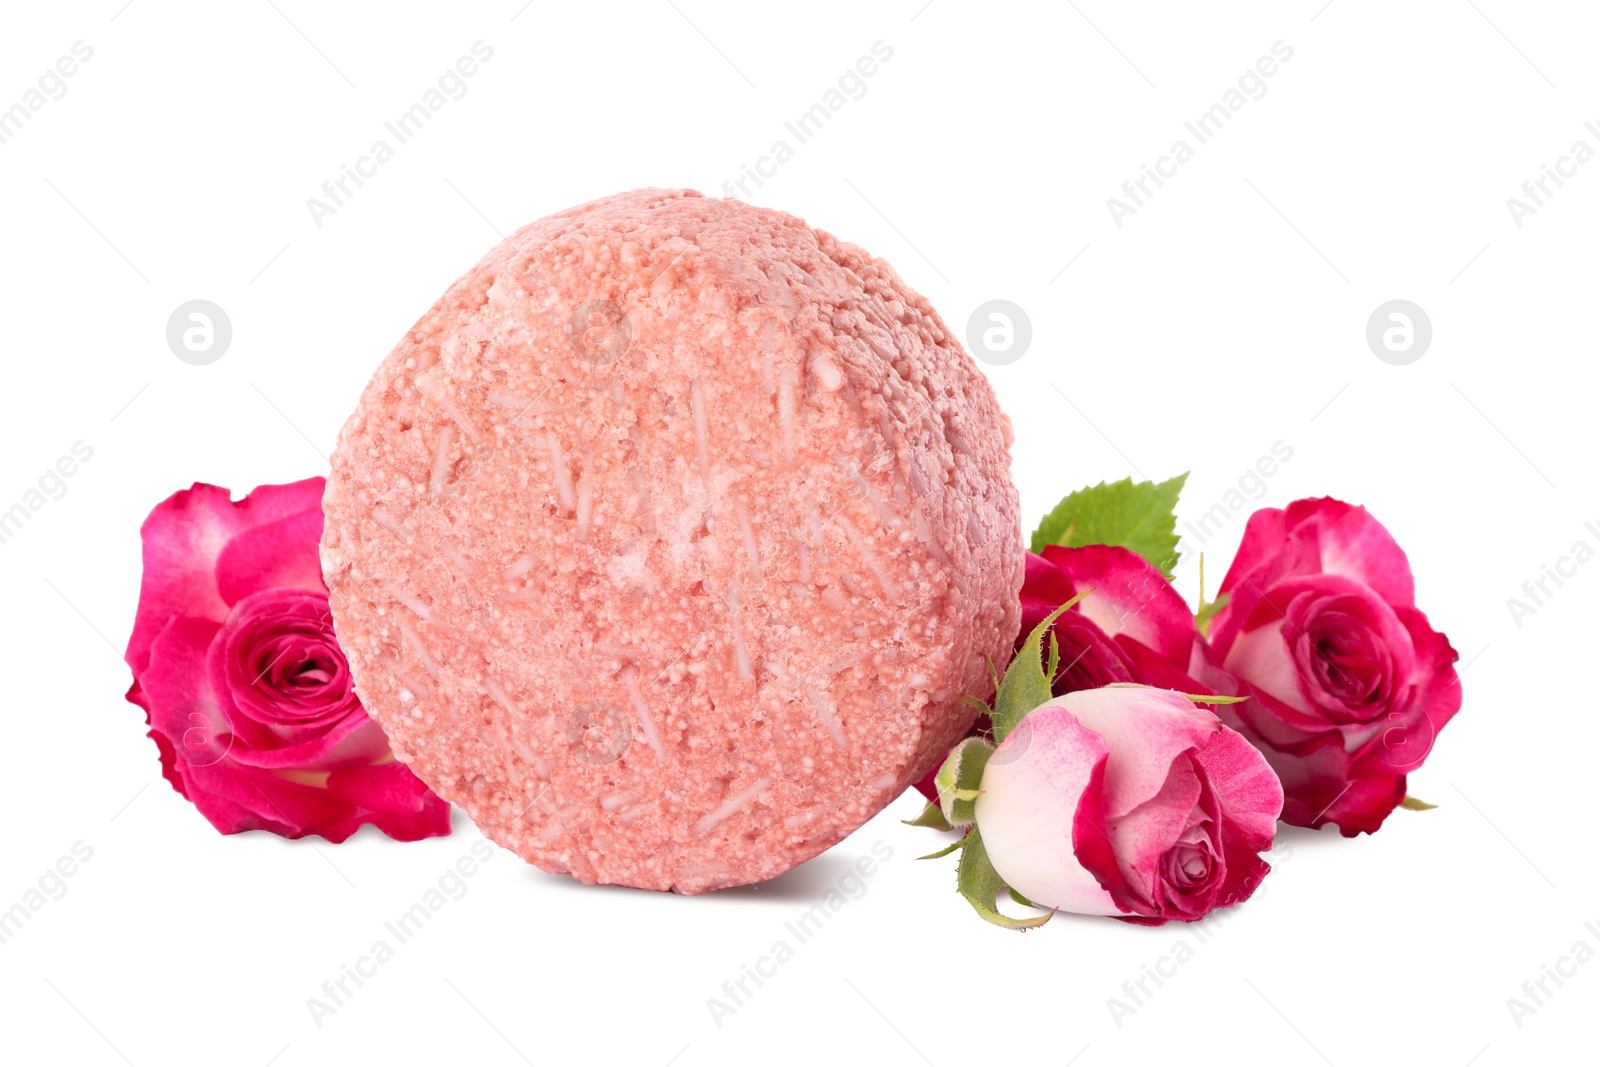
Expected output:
(1127, 801)
(246, 692)
(1349, 684)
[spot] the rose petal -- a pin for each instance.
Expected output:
(176, 685)
(355, 740)
(304, 808)
(275, 555)
(1357, 546)
(1033, 788)
(432, 821)
(1044, 588)
(1144, 730)
(1205, 667)
(1317, 774)
(1249, 575)
(1323, 788)
(1243, 867)
(1276, 723)
(1262, 655)
(1130, 597)
(1265, 533)
(1148, 668)
(1248, 791)
(1143, 835)
(1439, 696)
(1089, 659)
(228, 817)
(1092, 844)
(386, 787)
(1247, 798)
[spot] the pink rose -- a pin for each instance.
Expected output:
(245, 690)
(1350, 684)
(1128, 801)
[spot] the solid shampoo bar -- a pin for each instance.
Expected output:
(669, 541)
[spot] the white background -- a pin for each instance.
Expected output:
(1227, 314)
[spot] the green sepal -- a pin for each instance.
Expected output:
(931, 817)
(1019, 898)
(1411, 803)
(1214, 698)
(1026, 685)
(980, 884)
(1198, 698)
(974, 702)
(1208, 610)
(1139, 516)
(960, 780)
(951, 847)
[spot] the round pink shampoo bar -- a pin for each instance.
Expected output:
(670, 539)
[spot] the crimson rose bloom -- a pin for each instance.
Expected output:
(245, 690)
(1350, 684)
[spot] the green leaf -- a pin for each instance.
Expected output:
(931, 816)
(1411, 803)
(959, 779)
(1026, 685)
(1141, 516)
(980, 884)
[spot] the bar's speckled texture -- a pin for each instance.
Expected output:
(679, 600)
